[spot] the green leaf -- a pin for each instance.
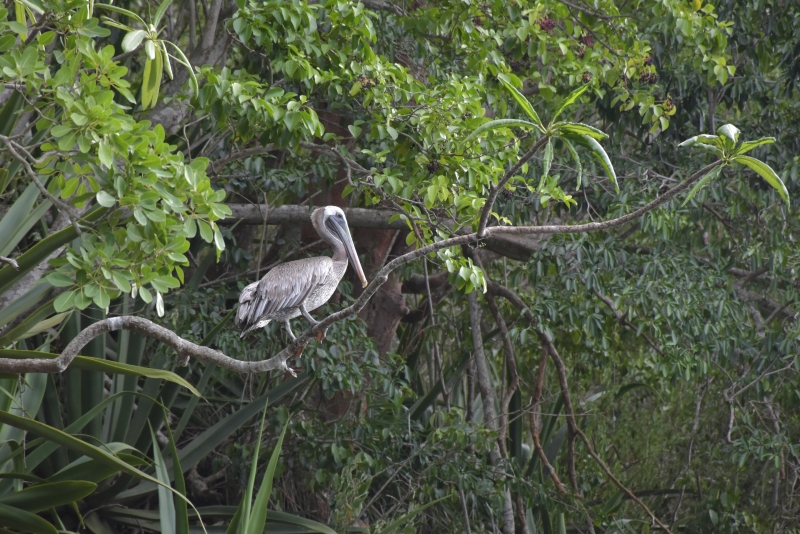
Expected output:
(132, 40)
(181, 57)
(600, 155)
(219, 242)
(203, 444)
(500, 123)
(355, 89)
(105, 200)
(166, 506)
(747, 146)
(162, 9)
(704, 139)
(712, 174)
(165, 57)
(151, 79)
(104, 366)
(24, 521)
(577, 128)
(547, 162)
(730, 131)
(105, 154)
(571, 98)
(122, 11)
(258, 520)
(49, 495)
(577, 160)
(72, 443)
(522, 101)
(766, 172)
(181, 510)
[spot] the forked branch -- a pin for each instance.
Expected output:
(187, 349)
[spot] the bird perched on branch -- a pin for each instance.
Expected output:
(297, 287)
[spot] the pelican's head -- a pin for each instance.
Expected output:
(330, 222)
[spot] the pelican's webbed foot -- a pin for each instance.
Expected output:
(313, 322)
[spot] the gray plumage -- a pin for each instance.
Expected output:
(297, 287)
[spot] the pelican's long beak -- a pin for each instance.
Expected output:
(344, 234)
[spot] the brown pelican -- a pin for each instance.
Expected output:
(295, 288)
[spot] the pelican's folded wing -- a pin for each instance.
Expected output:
(285, 286)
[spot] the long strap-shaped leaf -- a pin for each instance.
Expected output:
(105, 366)
(258, 518)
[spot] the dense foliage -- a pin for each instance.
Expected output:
(633, 376)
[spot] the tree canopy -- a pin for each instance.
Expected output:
(576, 220)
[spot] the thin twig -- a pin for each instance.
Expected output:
(12, 147)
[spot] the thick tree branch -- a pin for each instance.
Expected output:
(279, 360)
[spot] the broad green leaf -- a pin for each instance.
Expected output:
(24, 521)
(48, 495)
(577, 128)
(571, 98)
(105, 154)
(747, 146)
(258, 518)
(104, 199)
(712, 174)
(151, 79)
(704, 139)
(730, 131)
(577, 161)
(500, 123)
(132, 40)
(766, 172)
(523, 102)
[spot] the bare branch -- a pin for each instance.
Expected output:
(12, 147)
(384, 6)
(593, 13)
(10, 261)
(487, 208)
